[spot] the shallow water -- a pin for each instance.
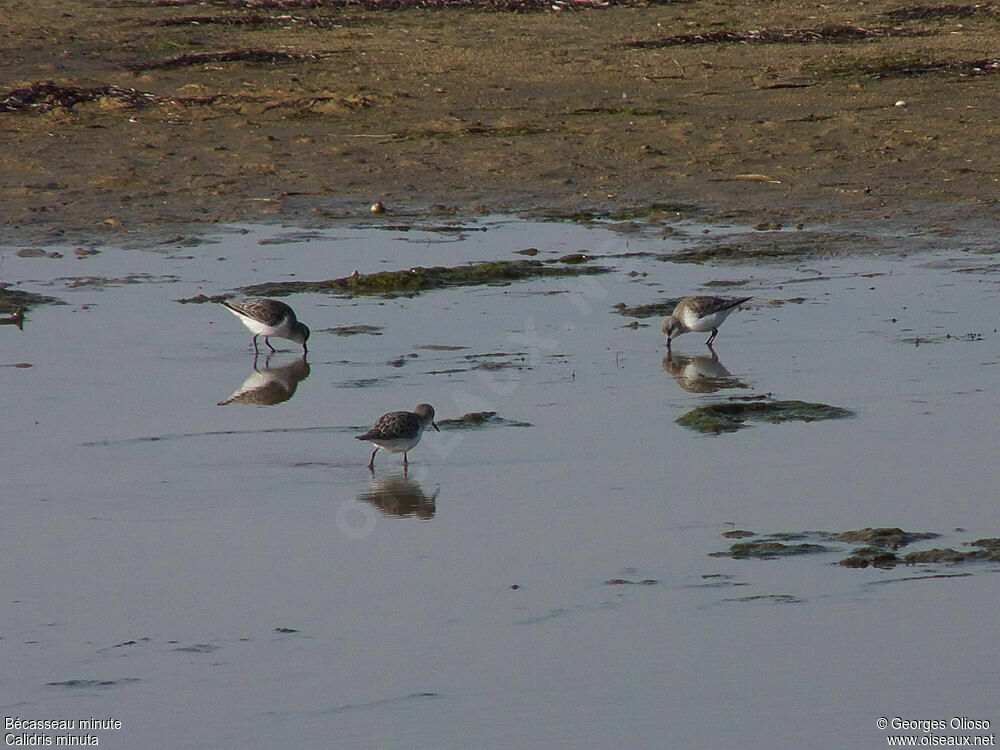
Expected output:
(232, 575)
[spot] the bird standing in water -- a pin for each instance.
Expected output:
(399, 431)
(269, 317)
(700, 314)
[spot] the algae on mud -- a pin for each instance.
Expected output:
(716, 419)
(886, 537)
(880, 558)
(12, 300)
(766, 550)
(355, 330)
(479, 419)
(420, 279)
(879, 551)
(737, 252)
(664, 308)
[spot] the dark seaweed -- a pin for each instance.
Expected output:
(778, 36)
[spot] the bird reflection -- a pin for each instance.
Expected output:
(700, 374)
(267, 386)
(398, 495)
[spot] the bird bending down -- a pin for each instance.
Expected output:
(700, 314)
(269, 317)
(399, 431)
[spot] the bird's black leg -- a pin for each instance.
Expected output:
(268, 342)
(406, 462)
(715, 332)
(255, 349)
(371, 464)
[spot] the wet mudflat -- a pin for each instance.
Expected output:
(195, 547)
(133, 115)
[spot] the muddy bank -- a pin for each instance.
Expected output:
(127, 117)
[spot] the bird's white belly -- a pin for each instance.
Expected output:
(396, 445)
(257, 328)
(707, 323)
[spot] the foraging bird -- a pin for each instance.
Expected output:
(269, 317)
(399, 431)
(700, 314)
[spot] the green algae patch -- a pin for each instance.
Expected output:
(880, 550)
(881, 545)
(877, 557)
(476, 419)
(356, 330)
(653, 309)
(769, 549)
(419, 279)
(884, 537)
(767, 243)
(200, 299)
(992, 544)
(734, 253)
(12, 300)
(716, 419)
(988, 551)
(777, 544)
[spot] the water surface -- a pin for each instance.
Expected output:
(232, 575)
